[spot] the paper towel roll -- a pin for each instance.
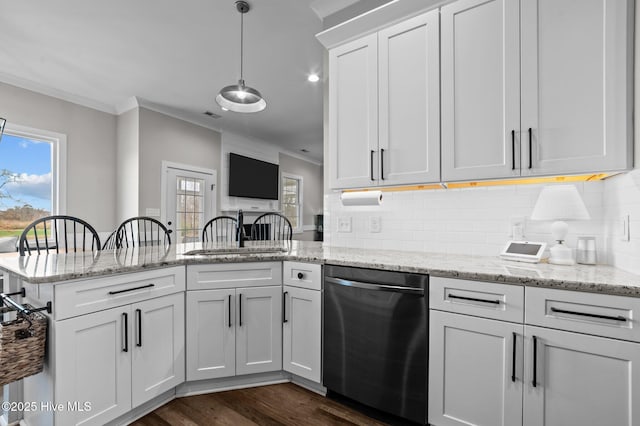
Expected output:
(362, 198)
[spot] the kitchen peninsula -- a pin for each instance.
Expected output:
(134, 319)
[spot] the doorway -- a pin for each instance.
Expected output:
(189, 200)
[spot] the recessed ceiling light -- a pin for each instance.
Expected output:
(313, 78)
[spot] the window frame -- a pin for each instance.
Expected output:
(300, 228)
(58, 143)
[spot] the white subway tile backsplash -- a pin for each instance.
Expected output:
(473, 221)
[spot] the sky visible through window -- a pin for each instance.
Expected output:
(31, 161)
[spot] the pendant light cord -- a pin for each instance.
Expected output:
(241, 43)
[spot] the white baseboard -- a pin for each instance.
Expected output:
(144, 409)
(309, 385)
(230, 383)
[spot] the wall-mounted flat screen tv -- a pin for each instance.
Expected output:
(252, 178)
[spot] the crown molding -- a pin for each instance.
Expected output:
(374, 20)
(127, 105)
(56, 93)
(177, 114)
(300, 157)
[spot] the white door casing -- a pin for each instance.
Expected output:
(172, 174)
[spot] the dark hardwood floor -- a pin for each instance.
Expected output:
(283, 404)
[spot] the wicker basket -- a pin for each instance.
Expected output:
(22, 346)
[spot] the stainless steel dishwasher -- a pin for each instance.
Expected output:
(375, 339)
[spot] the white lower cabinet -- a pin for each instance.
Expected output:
(157, 356)
(475, 367)
(560, 368)
(233, 332)
(93, 349)
(301, 331)
(580, 380)
(233, 322)
(258, 330)
(302, 320)
(475, 353)
(582, 359)
(211, 334)
(118, 358)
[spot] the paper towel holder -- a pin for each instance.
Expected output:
(361, 198)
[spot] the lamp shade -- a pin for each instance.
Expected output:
(560, 202)
(241, 98)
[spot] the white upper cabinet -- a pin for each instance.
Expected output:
(384, 113)
(480, 89)
(483, 89)
(556, 103)
(576, 86)
(353, 113)
(409, 101)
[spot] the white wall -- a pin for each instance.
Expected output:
(128, 165)
(253, 148)
(91, 151)
(166, 138)
(313, 191)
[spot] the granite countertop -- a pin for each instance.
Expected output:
(54, 268)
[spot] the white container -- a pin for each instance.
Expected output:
(586, 251)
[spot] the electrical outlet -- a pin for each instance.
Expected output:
(344, 224)
(374, 224)
(625, 234)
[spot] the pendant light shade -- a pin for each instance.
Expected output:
(240, 97)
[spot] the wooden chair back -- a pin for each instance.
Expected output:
(59, 234)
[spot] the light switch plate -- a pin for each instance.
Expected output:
(344, 224)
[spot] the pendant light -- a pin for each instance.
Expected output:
(239, 97)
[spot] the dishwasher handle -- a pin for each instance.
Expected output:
(376, 287)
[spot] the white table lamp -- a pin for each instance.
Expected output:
(560, 203)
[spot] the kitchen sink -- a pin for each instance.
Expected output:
(234, 250)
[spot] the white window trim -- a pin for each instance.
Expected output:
(300, 228)
(13, 392)
(58, 143)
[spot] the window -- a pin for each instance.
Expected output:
(30, 182)
(291, 200)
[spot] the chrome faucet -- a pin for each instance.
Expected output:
(240, 229)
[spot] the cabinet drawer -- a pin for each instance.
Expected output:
(489, 300)
(83, 297)
(597, 314)
(230, 275)
(305, 275)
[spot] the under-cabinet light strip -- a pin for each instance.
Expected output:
(478, 184)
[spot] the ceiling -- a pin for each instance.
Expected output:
(174, 57)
